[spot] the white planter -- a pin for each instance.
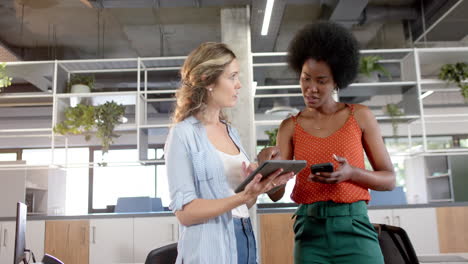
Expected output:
(362, 78)
(79, 88)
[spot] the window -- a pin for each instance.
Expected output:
(263, 198)
(126, 180)
(402, 144)
(8, 156)
(464, 143)
(76, 186)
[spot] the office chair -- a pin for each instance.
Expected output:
(395, 197)
(395, 245)
(163, 255)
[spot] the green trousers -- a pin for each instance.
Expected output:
(328, 232)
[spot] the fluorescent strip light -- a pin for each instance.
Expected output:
(426, 94)
(267, 17)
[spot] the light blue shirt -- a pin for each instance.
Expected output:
(195, 170)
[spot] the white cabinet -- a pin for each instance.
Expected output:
(421, 226)
(381, 216)
(153, 232)
(7, 241)
(129, 240)
(436, 178)
(12, 190)
(419, 223)
(111, 241)
(35, 235)
(34, 239)
(416, 188)
(42, 189)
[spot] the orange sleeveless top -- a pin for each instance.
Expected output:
(345, 142)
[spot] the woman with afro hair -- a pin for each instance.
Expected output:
(331, 223)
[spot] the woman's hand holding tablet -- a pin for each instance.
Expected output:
(269, 167)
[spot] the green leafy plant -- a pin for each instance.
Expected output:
(464, 92)
(271, 136)
(82, 118)
(5, 80)
(456, 73)
(394, 111)
(370, 64)
(87, 80)
(78, 120)
(108, 116)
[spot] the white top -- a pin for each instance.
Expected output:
(233, 171)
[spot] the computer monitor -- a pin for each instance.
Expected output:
(20, 237)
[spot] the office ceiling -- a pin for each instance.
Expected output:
(84, 29)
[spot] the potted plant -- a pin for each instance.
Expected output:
(369, 69)
(82, 118)
(80, 83)
(78, 120)
(456, 73)
(271, 137)
(107, 117)
(393, 111)
(5, 80)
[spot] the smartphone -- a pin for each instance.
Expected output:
(322, 167)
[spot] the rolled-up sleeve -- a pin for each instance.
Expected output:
(179, 171)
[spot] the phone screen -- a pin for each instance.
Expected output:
(322, 167)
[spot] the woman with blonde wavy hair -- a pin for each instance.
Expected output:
(205, 162)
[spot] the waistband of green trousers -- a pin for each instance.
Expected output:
(329, 208)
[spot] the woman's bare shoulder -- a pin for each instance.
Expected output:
(364, 117)
(362, 111)
(287, 123)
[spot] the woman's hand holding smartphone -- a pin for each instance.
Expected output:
(322, 167)
(326, 173)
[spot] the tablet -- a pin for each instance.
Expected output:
(270, 166)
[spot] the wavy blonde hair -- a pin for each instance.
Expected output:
(202, 68)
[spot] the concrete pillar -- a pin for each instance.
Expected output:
(235, 32)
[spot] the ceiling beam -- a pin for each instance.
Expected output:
(37, 76)
(431, 11)
(165, 3)
(345, 12)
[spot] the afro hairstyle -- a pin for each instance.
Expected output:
(330, 43)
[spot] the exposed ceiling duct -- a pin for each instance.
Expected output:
(349, 13)
(345, 12)
(447, 26)
(163, 3)
(374, 13)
